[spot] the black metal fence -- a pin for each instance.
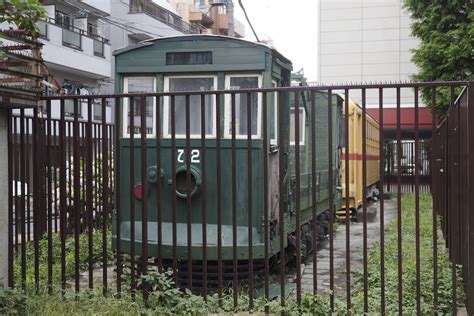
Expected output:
(84, 179)
(408, 165)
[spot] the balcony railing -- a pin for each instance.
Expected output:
(43, 30)
(157, 12)
(71, 39)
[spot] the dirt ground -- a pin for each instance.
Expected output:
(356, 251)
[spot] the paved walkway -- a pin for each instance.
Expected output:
(356, 246)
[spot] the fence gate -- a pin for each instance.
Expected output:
(248, 195)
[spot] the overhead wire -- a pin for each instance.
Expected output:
(248, 20)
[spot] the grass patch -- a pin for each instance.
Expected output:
(56, 258)
(408, 266)
(165, 299)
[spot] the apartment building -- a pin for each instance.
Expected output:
(214, 15)
(365, 41)
(76, 49)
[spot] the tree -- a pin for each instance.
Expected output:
(446, 52)
(23, 13)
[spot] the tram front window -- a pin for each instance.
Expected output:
(182, 84)
(241, 105)
(140, 85)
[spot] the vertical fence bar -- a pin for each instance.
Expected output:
(364, 198)
(97, 166)
(62, 191)
(70, 179)
(89, 192)
(117, 191)
(331, 201)
(11, 189)
(131, 118)
(203, 198)
(158, 184)
(281, 192)
(144, 202)
(297, 198)
(56, 164)
(76, 195)
(435, 214)
(50, 187)
(16, 175)
(22, 199)
(105, 195)
(314, 185)
(266, 207)
(417, 205)
(249, 196)
(188, 194)
(456, 199)
(470, 276)
(218, 196)
(347, 201)
(399, 208)
(34, 133)
(173, 180)
(235, 291)
(35, 130)
(382, 200)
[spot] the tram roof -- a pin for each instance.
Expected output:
(205, 37)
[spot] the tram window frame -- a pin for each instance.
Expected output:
(228, 107)
(274, 140)
(126, 104)
(166, 107)
(302, 126)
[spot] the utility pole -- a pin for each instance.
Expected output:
(230, 16)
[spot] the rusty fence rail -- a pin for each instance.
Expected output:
(237, 191)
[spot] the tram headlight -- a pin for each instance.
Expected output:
(182, 189)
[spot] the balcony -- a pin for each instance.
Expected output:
(70, 47)
(201, 18)
(222, 23)
(155, 11)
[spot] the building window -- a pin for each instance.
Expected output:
(98, 48)
(64, 20)
(195, 83)
(69, 108)
(97, 107)
(241, 107)
(140, 85)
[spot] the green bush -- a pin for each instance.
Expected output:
(56, 257)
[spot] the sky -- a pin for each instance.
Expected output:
(292, 25)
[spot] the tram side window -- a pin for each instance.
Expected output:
(181, 84)
(292, 126)
(274, 117)
(241, 107)
(140, 85)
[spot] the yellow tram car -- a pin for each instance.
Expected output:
(356, 197)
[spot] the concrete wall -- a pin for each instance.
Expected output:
(83, 60)
(363, 41)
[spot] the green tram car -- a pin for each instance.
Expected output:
(206, 62)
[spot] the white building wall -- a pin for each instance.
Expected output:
(365, 41)
(130, 25)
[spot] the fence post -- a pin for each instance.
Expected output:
(4, 197)
(470, 268)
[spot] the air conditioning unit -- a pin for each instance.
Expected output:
(218, 2)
